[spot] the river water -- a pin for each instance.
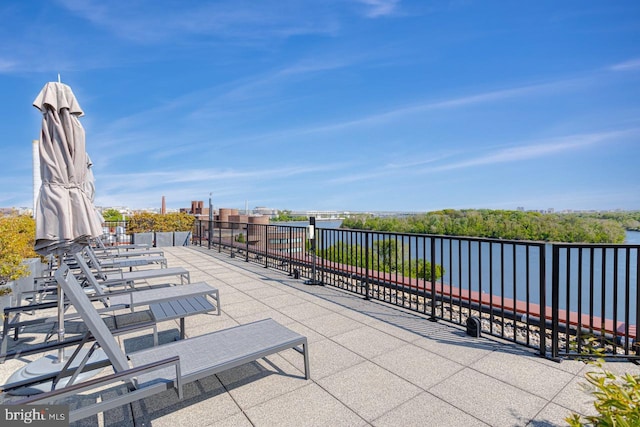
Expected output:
(464, 271)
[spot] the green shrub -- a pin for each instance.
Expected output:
(17, 239)
(617, 399)
(147, 222)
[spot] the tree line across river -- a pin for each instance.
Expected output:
(582, 227)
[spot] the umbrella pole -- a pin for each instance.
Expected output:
(60, 322)
(60, 314)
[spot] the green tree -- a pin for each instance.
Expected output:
(385, 255)
(112, 215)
(286, 216)
(146, 222)
(17, 239)
(505, 224)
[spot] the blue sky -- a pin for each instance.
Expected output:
(361, 105)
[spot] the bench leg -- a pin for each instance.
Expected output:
(305, 350)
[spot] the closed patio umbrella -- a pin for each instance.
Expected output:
(65, 215)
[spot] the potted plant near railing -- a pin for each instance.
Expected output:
(166, 230)
(140, 227)
(182, 225)
(18, 260)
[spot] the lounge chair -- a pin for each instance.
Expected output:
(116, 252)
(126, 251)
(100, 245)
(120, 262)
(165, 303)
(168, 366)
(45, 287)
(109, 278)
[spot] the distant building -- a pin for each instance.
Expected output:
(261, 210)
(19, 211)
(229, 221)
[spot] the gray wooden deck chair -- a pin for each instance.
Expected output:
(115, 262)
(197, 357)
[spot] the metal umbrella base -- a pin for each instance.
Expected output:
(49, 364)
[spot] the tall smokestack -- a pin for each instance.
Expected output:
(37, 180)
(163, 210)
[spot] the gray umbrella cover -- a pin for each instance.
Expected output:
(65, 215)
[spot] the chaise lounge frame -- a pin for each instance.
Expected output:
(169, 366)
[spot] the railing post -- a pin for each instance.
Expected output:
(233, 246)
(433, 280)
(210, 235)
(366, 265)
(247, 242)
(266, 246)
(312, 234)
(320, 238)
(555, 294)
(543, 300)
(290, 250)
(219, 237)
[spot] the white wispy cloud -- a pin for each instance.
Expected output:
(452, 103)
(517, 153)
(390, 169)
(7, 65)
(377, 8)
(145, 188)
(633, 64)
(146, 180)
(145, 22)
(536, 150)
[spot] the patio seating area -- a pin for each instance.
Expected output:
(370, 363)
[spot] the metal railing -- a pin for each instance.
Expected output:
(564, 300)
(115, 233)
(595, 300)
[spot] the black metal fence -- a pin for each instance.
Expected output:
(595, 299)
(115, 232)
(563, 300)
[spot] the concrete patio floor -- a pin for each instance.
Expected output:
(371, 364)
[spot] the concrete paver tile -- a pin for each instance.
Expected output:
(307, 406)
(427, 410)
(378, 390)
(325, 358)
(417, 365)
(257, 382)
(492, 401)
(204, 402)
(368, 342)
(525, 372)
(332, 324)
